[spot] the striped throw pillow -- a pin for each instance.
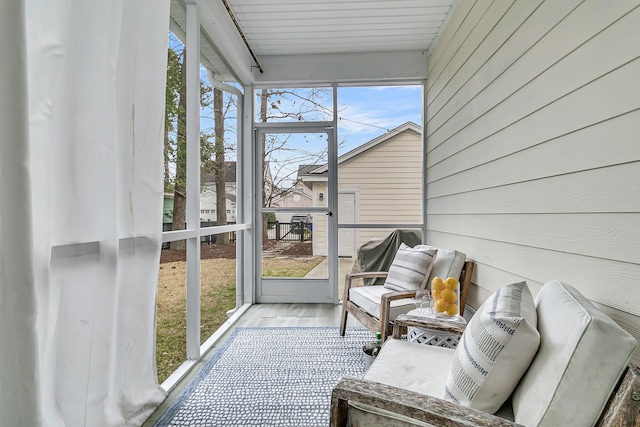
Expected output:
(495, 350)
(410, 268)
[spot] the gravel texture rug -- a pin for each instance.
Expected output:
(270, 377)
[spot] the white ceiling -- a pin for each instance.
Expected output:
(290, 27)
(316, 40)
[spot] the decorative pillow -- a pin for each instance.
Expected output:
(495, 350)
(448, 263)
(410, 268)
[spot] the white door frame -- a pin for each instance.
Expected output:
(305, 290)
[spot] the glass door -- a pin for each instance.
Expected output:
(296, 225)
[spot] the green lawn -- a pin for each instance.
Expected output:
(218, 295)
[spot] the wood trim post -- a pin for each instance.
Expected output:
(465, 283)
(338, 414)
(623, 408)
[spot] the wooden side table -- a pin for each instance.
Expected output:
(429, 330)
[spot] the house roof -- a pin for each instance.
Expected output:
(331, 40)
(229, 196)
(305, 169)
(323, 169)
(289, 192)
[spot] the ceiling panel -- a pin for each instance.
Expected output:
(289, 27)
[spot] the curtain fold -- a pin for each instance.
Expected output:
(19, 383)
(81, 209)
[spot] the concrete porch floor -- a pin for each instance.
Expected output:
(321, 270)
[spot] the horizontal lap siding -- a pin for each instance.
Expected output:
(388, 179)
(533, 158)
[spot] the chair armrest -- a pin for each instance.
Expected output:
(422, 322)
(428, 409)
(367, 275)
(396, 295)
(364, 275)
(385, 309)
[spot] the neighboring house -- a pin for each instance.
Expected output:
(300, 195)
(167, 208)
(378, 182)
(208, 203)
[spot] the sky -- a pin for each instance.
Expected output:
(368, 112)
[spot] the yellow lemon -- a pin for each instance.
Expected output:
(451, 283)
(449, 296)
(438, 284)
(441, 305)
(452, 310)
(436, 295)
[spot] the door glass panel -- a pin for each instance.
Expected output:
(294, 179)
(291, 252)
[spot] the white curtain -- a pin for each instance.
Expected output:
(81, 128)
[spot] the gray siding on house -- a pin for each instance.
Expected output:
(533, 158)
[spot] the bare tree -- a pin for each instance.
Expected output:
(180, 181)
(279, 174)
(221, 170)
(212, 154)
(264, 97)
(280, 159)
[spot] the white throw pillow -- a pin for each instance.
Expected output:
(410, 268)
(495, 350)
(448, 263)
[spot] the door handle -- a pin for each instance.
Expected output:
(329, 213)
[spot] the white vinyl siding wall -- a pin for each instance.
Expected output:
(533, 158)
(387, 181)
(388, 178)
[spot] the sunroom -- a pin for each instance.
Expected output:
(529, 164)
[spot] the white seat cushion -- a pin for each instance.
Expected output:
(495, 350)
(399, 364)
(582, 355)
(420, 368)
(369, 297)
